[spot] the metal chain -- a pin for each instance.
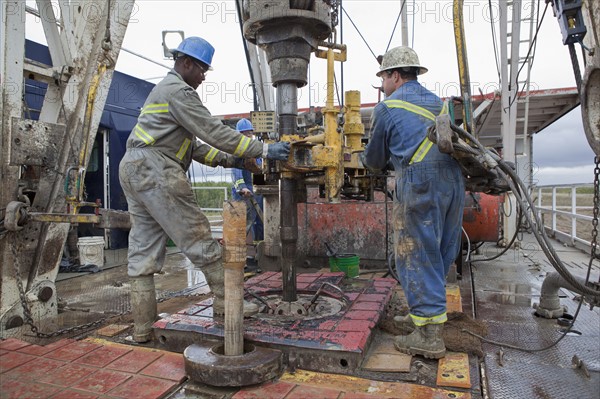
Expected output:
(27, 312)
(596, 214)
(81, 327)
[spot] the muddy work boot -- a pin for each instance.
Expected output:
(143, 307)
(404, 324)
(426, 341)
(215, 276)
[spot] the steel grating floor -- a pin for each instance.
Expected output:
(505, 291)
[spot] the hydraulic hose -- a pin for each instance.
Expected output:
(525, 202)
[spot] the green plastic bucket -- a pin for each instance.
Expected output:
(347, 263)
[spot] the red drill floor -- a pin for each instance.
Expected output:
(347, 332)
(87, 369)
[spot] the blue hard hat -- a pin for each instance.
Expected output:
(197, 48)
(244, 125)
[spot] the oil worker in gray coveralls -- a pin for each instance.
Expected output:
(161, 203)
(429, 198)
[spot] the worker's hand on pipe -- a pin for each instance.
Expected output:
(279, 151)
(251, 165)
(244, 192)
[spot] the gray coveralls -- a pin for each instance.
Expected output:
(152, 173)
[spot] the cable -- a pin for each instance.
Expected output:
(524, 200)
(391, 267)
(395, 25)
(531, 47)
(504, 344)
(509, 245)
(494, 42)
(510, 210)
(468, 245)
(247, 54)
(360, 34)
(575, 64)
(487, 114)
(412, 37)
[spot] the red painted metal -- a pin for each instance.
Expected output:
(481, 217)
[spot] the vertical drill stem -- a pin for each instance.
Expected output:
(234, 258)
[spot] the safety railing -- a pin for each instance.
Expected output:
(566, 211)
(213, 202)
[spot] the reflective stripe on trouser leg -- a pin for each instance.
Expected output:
(422, 321)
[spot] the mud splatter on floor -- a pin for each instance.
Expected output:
(455, 338)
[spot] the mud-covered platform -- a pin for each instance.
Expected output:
(347, 341)
(331, 335)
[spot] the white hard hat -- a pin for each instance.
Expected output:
(401, 57)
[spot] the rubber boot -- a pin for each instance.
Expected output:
(215, 276)
(404, 324)
(426, 341)
(143, 307)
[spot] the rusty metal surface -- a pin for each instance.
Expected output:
(35, 143)
(481, 217)
(207, 364)
(330, 343)
(351, 227)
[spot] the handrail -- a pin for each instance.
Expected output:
(566, 207)
(213, 209)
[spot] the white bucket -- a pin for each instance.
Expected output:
(91, 250)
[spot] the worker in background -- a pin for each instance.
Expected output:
(161, 203)
(243, 190)
(429, 198)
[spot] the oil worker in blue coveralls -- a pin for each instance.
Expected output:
(429, 198)
(159, 195)
(243, 189)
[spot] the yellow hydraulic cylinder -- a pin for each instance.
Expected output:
(354, 129)
(330, 155)
(334, 175)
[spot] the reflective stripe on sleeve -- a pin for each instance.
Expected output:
(421, 321)
(426, 144)
(211, 156)
(155, 109)
(237, 183)
(242, 146)
(445, 107)
(415, 109)
(143, 135)
(183, 149)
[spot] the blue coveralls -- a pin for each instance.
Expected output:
(243, 179)
(429, 200)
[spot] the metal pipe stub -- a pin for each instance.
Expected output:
(209, 365)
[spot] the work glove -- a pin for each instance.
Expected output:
(244, 192)
(278, 151)
(249, 164)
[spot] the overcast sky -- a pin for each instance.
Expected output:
(226, 90)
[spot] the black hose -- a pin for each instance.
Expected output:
(525, 203)
(391, 263)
